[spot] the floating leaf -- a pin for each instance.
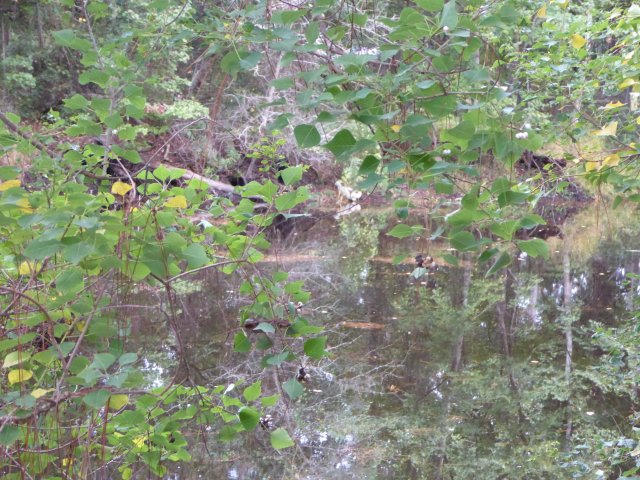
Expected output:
(179, 201)
(578, 41)
(120, 188)
(609, 130)
(19, 375)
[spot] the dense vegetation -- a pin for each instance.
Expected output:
(123, 125)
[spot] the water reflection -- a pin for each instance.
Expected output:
(430, 377)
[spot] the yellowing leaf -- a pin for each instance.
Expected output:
(41, 392)
(612, 105)
(591, 166)
(116, 402)
(578, 41)
(542, 12)
(626, 83)
(139, 441)
(120, 188)
(179, 201)
(19, 375)
(611, 160)
(608, 131)
(395, 128)
(24, 205)
(564, 4)
(9, 184)
(27, 267)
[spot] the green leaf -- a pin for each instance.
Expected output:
(504, 230)
(76, 102)
(103, 360)
(534, 248)
(293, 388)
(430, 5)
(291, 174)
(9, 434)
(269, 401)
(237, 61)
(369, 165)
(306, 136)
(280, 439)
(70, 281)
(67, 38)
(463, 241)
(97, 399)
(249, 418)
(39, 249)
(402, 231)
(449, 16)
(98, 77)
(315, 347)
(128, 358)
(241, 343)
(341, 144)
(196, 255)
(253, 391)
(15, 358)
(501, 262)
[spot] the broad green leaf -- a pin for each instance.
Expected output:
(15, 358)
(97, 399)
(463, 241)
(253, 391)
(293, 388)
(196, 255)
(315, 347)
(249, 418)
(76, 102)
(280, 439)
(503, 260)
(402, 231)
(241, 343)
(306, 136)
(430, 5)
(9, 434)
(292, 175)
(341, 144)
(449, 16)
(534, 247)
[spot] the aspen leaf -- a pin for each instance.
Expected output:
(41, 392)
(179, 201)
(120, 188)
(638, 120)
(609, 130)
(19, 375)
(9, 184)
(612, 105)
(395, 128)
(578, 41)
(542, 12)
(116, 402)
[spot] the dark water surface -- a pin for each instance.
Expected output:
(450, 375)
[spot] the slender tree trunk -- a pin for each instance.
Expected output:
(39, 25)
(458, 349)
(568, 334)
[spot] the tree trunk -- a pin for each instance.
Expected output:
(568, 334)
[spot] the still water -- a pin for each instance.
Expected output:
(449, 375)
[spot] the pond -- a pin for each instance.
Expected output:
(448, 374)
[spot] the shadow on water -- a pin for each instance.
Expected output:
(392, 400)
